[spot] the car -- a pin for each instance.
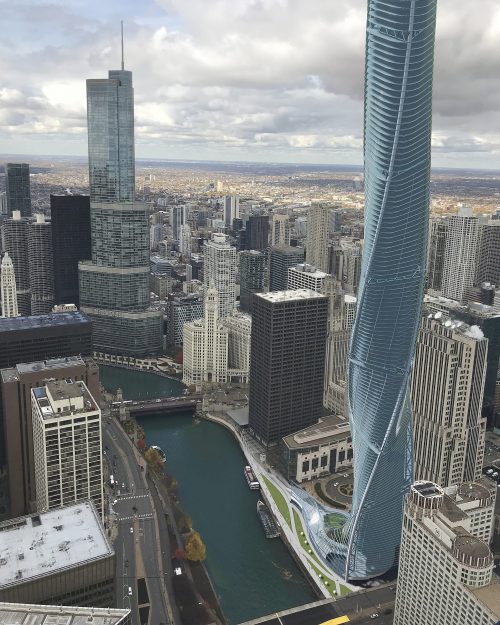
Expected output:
(123, 485)
(131, 530)
(129, 591)
(374, 615)
(346, 474)
(178, 571)
(336, 484)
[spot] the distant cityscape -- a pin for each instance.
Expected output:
(342, 323)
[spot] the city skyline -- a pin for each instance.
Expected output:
(196, 102)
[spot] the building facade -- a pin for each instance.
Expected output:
(239, 327)
(287, 362)
(8, 291)
(219, 271)
(305, 276)
(488, 262)
(231, 209)
(252, 276)
(448, 429)
(280, 261)
(182, 309)
(17, 189)
(317, 236)
(41, 266)
(70, 218)
(280, 230)
(445, 564)
(435, 256)
(27, 613)
(67, 445)
(15, 243)
(397, 139)
(257, 232)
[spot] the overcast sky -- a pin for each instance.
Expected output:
(256, 80)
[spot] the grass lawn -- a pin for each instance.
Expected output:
(334, 521)
(279, 500)
(344, 590)
(303, 539)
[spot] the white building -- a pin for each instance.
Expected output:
(305, 276)
(280, 230)
(185, 241)
(156, 234)
(231, 209)
(447, 386)
(67, 445)
(178, 217)
(460, 257)
(8, 291)
(445, 572)
(219, 271)
(317, 236)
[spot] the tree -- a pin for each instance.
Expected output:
(141, 444)
(195, 548)
(154, 460)
(180, 554)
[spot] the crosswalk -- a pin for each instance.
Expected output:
(137, 516)
(124, 498)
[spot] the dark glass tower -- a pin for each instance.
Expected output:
(280, 261)
(252, 272)
(397, 152)
(17, 187)
(41, 267)
(70, 216)
(257, 232)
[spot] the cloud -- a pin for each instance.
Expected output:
(282, 78)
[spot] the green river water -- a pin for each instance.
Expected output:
(253, 576)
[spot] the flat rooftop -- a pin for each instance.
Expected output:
(290, 296)
(43, 544)
(328, 429)
(489, 595)
(43, 366)
(27, 614)
(75, 395)
(309, 270)
(10, 324)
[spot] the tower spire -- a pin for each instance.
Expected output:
(123, 58)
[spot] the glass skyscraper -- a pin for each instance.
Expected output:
(397, 135)
(17, 188)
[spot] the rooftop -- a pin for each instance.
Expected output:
(310, 270)
(470, 545)
(473, 331)
(63, 397)
(326, 430)
(490, 595)
(8, 324)
(290, 296)
(43, 544)
(42, 366)
(28, 614)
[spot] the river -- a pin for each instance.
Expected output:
(253, 576)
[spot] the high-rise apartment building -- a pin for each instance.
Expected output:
(41, 266)
(70, 218)
(178, 218)
(352, 257)
(231, 209)
(397, 139)
(15, 242)
(280, 230)
(305, 276)
(257, 232)
(182, 308)
(446, 566)
(460, 257)
(287, 362)
(110, 123)
(15, 404)
(448, 429)
(435, 256)
(488, 261)
(252, 276)
(185, 241)
(317, 236)
(8, 291)
(17, 188)
(280, 261)
(67, 445)
(219, 271)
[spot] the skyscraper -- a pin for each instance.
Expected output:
(280, 230)
(257, 232)
(70, 217)
(317, 236)
(435, 256)
(252, 272)
(488, 262)
(178, 218)
(460, 257)
(231, 209)
(280, 261)
(287, 362)
(8, 292)
(219, 271)
(15, 242)
(41, 266)
(17, 185)
(398, 106)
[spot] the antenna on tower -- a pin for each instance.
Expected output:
(123, 61)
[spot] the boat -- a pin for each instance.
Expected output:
(160, 452)
(268, 523)
(252, 481)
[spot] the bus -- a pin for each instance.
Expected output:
(336, 621)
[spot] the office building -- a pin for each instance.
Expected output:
(317, 236)
(397, 139)
(435, 256)
(446, 566)
(185, 241)
(161, 284)
(306, 276)
(205, 346)
(287, 362)
(15, 243)
(231, 210)
(239, 327)
(70, 218)
(114, 285)
(41, 266)
(219, 271)
(8, 291)
(17, 189)
(280, 261)
(460, 257)
(28, 614)
(156, 234)
(257, 232)
(252, 276)
(352, 257)
(110, 123)
(178, 218)
(448, 429)
(59, 557)
(15, 404)
(182, 308)
(280, 230)
(3, 204)
(488, 262)
(67, 444)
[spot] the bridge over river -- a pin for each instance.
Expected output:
(163, 405)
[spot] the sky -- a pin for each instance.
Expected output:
(237, 80)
